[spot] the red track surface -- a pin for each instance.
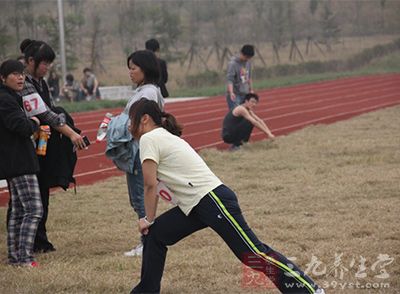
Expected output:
(284, 109)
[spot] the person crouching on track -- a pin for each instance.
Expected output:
(240, 121)
(203, 201)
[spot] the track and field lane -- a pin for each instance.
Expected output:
(285, 110)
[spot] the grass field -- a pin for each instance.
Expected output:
(328, 193)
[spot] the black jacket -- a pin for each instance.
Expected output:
(17, 153)
(163, 78)
(57, 167)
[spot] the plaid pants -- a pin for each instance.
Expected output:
(26, 212)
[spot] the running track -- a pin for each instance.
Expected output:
(284, 109)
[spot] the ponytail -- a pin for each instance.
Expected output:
(161, 119)
(170, 123)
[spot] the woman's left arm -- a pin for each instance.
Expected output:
(149, 168)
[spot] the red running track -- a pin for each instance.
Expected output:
(284, 109)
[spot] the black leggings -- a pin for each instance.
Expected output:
(220, 211)
(240, 134)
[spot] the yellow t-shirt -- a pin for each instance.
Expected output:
(179, 166)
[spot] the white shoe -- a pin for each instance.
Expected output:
(320, 291)
(137, 251)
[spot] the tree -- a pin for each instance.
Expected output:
(5, 41)
(277, 27)
(223, 17)
(130, 17)
(166, 25)
(16, 20)
(329, 26)
(312, 28)
(294, 50)
(49, 25)
(382, 6)
(96, 43)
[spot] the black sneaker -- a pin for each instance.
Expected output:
(44, 250)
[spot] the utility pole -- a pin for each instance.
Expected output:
(62, 39)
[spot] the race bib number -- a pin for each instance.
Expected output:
(166, 194)
(33, 104)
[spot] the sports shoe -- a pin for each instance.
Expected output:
(234, 148)
(47, 249)
(320, 291)
(29, 264)
(137, 251)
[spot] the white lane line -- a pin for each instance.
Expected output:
(281, 92)
(309, 122)
(95, 171)
(270, 105)
(268, 118)
(271, 109)
(297, 112)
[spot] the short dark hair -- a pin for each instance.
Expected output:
(38, 50)
(69, 77)
(248, 50)
(86, 69)
(248, 96)
(152, 45)
(10, 66)
(148, 63)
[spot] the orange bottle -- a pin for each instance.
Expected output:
(42, 142)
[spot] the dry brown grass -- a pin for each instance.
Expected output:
(323, 190)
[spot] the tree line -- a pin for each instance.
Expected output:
(187, 29)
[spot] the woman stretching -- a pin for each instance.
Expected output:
(203, 201)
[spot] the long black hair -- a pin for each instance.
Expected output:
(160, 118)
(38, 50)
(148, 63)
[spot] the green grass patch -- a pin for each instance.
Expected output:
(90, 105)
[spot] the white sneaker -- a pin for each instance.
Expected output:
(320, 291)
(137, 251)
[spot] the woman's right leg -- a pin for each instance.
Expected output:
(14, 220)
(167, 230)
(220, 210)
(42, 243)
(136, 198)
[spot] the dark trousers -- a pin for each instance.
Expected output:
(220, 211)
(241, 133)
(41, 241)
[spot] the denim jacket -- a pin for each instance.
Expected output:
(121, 148)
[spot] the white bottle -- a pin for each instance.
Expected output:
(102, 132)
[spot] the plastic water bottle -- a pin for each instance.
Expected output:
(102, 132)
(42, 142)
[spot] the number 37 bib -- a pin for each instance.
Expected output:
(33, 104)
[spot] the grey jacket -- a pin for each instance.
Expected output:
(239, 75)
